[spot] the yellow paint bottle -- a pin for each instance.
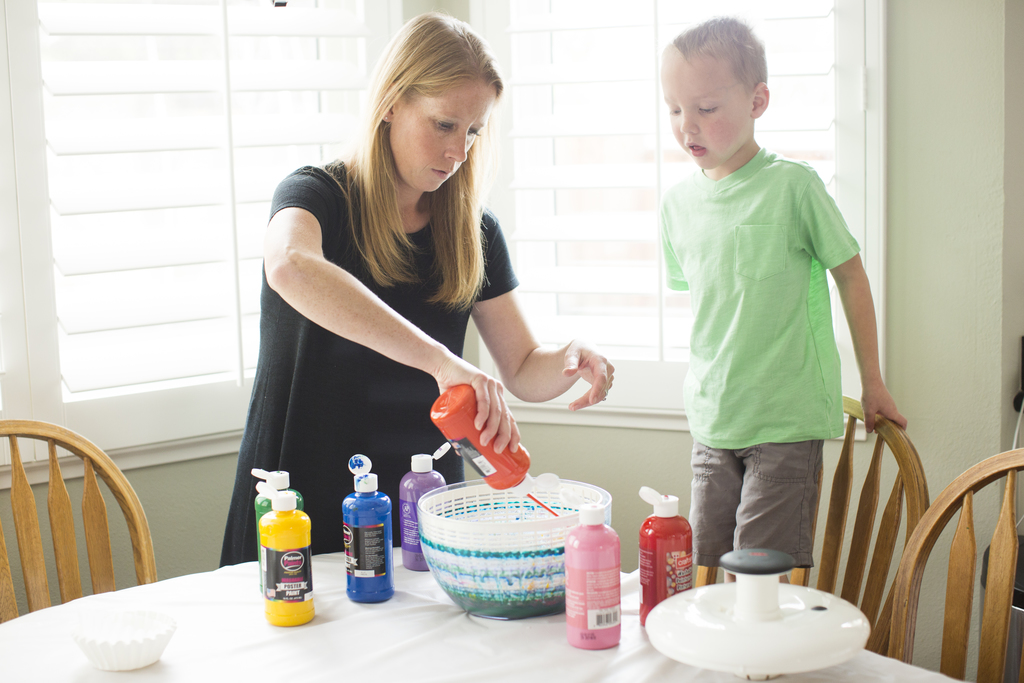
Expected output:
(285, 560)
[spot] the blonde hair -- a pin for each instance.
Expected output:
(728, 39)
(430, 55)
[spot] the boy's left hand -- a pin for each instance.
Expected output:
(583, 360)
(877, 401)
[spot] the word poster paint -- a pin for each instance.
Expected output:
(287, 575)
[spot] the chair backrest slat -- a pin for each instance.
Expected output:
(885, 547)
(835, 520)
(864, 522)
(30, 542)
(958, 496)
(705, 576)
(97, 465)
(1002, 566)
(959, 593)
(878, 640)
(62, 530)
(8, 603)
(97, 534)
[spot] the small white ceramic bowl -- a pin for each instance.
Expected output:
(122, 640)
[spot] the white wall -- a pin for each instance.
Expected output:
(955, 298)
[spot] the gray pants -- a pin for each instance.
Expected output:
(763, 496)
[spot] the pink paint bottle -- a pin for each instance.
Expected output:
(593, 604)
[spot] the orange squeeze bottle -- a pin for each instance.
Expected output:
(454, 413)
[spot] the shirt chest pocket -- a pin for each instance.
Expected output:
(760, 250)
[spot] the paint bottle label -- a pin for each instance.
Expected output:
(676, 566)
(287, 574)
(678, 571)
(410, 525)
(592, 598)
(365, 550)
(263, 506)
(469, 453)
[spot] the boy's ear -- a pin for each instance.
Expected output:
(760, 100)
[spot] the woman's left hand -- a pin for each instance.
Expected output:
(584, 360)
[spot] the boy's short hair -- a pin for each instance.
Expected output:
(730, 39)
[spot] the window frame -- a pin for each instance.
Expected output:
(861, 196)
(165, 422)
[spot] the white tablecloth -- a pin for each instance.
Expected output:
(417, 636)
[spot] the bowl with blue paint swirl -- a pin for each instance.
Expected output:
(498, 554)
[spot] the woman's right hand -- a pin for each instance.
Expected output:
(493, 418)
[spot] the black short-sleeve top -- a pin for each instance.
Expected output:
(319, 398)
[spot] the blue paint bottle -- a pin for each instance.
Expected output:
(368, 552)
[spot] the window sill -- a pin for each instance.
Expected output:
(623, 418)
(600, 416)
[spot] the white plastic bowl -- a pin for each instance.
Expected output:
(122, 640)
(497, 554)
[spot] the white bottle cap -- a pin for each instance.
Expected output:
(283, 501)
(359, 464)
(366, 483)
(422, 463)
(524, 487)
(664, 506)
(277, 479)
(592, 514)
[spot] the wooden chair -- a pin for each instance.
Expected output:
(999, 585)
(94, 516)
(909, 485)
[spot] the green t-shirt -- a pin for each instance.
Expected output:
(753, 249)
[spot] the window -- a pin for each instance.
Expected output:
(587, 155)
(148, 138)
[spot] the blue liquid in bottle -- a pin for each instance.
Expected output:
(368, 540)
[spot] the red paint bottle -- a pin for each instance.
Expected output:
(454, 413)
(666, 552)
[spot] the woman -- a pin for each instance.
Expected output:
(372, 268)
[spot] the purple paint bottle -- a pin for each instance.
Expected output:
(414, 484)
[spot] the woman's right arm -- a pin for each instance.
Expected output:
(334, 299)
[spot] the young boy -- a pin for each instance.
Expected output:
(750, 235)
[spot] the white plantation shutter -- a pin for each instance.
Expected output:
(588, 155)
(168, 124)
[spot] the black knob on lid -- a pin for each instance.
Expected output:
(757, 561)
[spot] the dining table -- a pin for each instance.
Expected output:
(419, 635)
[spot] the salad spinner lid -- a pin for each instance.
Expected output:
(757, 628)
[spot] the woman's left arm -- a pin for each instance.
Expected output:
(531, 372)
